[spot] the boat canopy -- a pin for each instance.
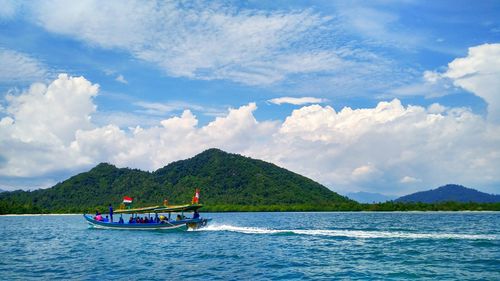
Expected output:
(161, 209)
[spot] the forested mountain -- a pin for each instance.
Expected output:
(226, 180)
(450, 193)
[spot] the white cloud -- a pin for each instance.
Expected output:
(156, 108)
(125, 119)
(436, 148)
(296, 101)
(17, 67)
(436, 108)
(377, 24)
(380, 149)
(477, 73)
(301, 50)
(161, 109)
(40, 124)
(121, 79)
(408, 179)
(431, 76)
(51, 113)
(199, 40)
(8, 9)
(364, 172)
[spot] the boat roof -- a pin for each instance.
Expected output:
(161, 209)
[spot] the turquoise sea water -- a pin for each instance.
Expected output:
(259, 246)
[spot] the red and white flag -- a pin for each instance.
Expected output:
(196, 198)
(127, 200)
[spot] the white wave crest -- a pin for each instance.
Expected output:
(350, 233)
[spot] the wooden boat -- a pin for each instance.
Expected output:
(182, 224)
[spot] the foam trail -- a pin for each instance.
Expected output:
(351, 233)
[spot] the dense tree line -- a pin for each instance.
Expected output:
(228, 182)
(224, 179)
(356, 207)
(16, 208)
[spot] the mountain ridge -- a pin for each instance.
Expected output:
(450, 193)
(224, 179)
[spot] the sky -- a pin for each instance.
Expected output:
(384, 96)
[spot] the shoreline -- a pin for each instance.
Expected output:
(319, 212)
(21, 215)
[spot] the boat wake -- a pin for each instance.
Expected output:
(362, 234)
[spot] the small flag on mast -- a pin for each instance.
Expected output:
(127, 200)
(196, 197)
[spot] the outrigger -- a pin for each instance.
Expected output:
(159, 222)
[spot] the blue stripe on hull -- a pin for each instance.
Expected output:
(134, 226)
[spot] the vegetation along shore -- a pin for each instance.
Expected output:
(229, 183)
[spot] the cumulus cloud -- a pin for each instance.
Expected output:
(335, 148)
(436, 108)
(382, 149)
(296, 101)
(477, 73)
(40, 124)
(364, 172)
(51, 113)
(408, 179)
(18, 67)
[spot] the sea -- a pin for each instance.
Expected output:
(259, 246)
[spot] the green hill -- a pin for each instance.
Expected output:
(227, 182)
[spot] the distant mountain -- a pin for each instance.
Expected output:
(1, 190)
(224, 179)
(368, 197)
(450, 192)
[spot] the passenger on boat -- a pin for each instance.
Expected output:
(111, 212)
(121, 219)
(98, 217)
(146, 220)
(178, 218)
(163, 219)
(196, 215)
(157, 219)
(131, 220)
(106, 219)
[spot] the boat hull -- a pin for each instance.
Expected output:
(176, 226)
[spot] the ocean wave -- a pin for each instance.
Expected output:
(362, 234)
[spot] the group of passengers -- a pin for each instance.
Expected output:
(138, 219)
(98, 217)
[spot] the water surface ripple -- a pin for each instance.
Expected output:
(259, 246)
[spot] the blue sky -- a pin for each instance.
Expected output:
(286, 69)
